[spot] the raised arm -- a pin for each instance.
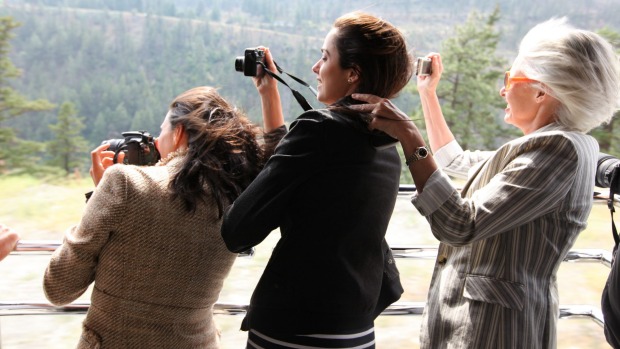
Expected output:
(437, 129)
(269, 95)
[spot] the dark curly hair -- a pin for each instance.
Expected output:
(223, 151)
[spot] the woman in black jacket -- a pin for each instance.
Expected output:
(330, 187)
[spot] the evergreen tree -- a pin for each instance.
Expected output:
(14, 152)
(469, 88)
(68, 147)
(609, 141)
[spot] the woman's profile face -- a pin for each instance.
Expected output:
(523, 108)
(333, 81)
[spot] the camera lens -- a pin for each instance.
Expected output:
(606, 165)
(239, 63)
(114, 144)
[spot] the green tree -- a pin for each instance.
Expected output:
(68, 147)
(14, 152)
(608, 135)
(469, 88)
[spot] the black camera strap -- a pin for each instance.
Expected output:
(614, 183)
(298, 96)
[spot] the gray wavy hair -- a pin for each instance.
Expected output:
(577, 67)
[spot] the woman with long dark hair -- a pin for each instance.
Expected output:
(150, 238)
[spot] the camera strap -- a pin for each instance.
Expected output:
(300, 99)
(614, 183)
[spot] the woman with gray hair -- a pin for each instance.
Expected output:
(520, 211)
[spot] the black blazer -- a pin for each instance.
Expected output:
(330, 187)
(610, 302)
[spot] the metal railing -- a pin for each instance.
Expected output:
(34, 247)
(48, 246)
(398, 308)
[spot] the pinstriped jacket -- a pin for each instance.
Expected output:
(503, 238)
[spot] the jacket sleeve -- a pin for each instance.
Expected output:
(260, 208)
(529, 185)
(73, 265)
(272, 139)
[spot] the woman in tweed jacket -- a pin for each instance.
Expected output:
(150, 238)
(522, 207)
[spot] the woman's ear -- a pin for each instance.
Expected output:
(354, 75)
(352, 78)
(179, 137)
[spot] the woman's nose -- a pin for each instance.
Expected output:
(315, 67)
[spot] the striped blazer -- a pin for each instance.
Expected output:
(503, 238)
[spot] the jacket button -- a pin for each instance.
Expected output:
(442, 259)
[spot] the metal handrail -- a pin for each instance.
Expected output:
(588, 255)
(581, 311)
(46, 308)
(411, 252)
(48, 246)
(398, 308)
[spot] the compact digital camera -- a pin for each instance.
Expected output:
(249, 63)
(423, 66)
(138, 146)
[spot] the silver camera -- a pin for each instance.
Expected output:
(423, 66)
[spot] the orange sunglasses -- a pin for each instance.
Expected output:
(508, 80)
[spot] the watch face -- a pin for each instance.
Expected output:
(422, 152)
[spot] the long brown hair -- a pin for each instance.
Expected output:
(222, 152)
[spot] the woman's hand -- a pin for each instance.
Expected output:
(391, 120)
(263, 81)
(428, 83)
(386, 116)
(101, 159)
(8, 240)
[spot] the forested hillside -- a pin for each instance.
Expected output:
(120, 62)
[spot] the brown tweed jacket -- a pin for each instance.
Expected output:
(157, 270)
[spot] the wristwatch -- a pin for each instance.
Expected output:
(419, 154)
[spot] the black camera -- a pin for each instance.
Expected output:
(608, 169)
(249, 64)
(138, 146)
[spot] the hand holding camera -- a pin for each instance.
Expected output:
(101, 158)
(251, 64)
(428, 71)
(137, 148)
